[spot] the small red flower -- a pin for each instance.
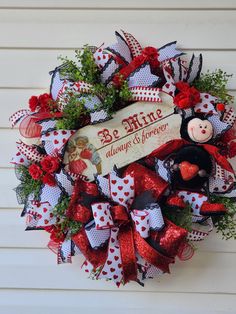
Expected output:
(44, 102)
(220, 107)
(35, 171)
(33, 103)
(151, 54)
(50, 164)
(187, 97)
(49, 179)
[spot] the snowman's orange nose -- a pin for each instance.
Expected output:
(203, 131)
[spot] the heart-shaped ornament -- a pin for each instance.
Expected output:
(188, 170)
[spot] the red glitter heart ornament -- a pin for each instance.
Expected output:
(188, 170)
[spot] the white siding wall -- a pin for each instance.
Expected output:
(32, 35)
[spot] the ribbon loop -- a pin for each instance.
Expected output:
(102, 215)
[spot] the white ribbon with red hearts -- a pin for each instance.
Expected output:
(39, 215)
(121, 191)
(29, 151)
(54, 141)
(20, 159)
(200, 231)
(18, 115)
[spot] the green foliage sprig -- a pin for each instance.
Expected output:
(215, 83)
(85, 69)
(64, 223)
(181, 217)
(72, 114)
(28, 184)
(225, 224)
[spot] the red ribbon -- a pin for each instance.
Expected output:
(151, 255)
(95, 257)
(149, 54)
(80, 186)
(30, 129)
(146, 180)
(119, 213)
(127, 251)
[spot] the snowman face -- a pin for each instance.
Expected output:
(200, 131)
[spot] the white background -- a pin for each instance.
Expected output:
(32, 35)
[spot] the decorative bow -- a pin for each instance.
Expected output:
(129, 221)
(121, 191)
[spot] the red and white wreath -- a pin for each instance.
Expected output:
(127, 159)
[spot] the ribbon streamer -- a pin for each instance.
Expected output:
(17, 116)
(30, 152)
(142, 93)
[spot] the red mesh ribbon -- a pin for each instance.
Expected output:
(127, 250)
(186, 251)
(95, 257)
(151, 255)
(119, 213)
(79, 187)
(30, 129)
(146, 180)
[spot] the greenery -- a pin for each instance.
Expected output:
(28, 184)
(64, 223)
(215, 84)
(225, 224)
(181, 217)
(85, 69)
(72, 114)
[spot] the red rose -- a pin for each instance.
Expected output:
(50, 164)
(187, 97)
(44, 102)
(49, 179)
(151, 54)
(35, 171)
(33, 103)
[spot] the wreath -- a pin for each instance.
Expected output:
(126, 159)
